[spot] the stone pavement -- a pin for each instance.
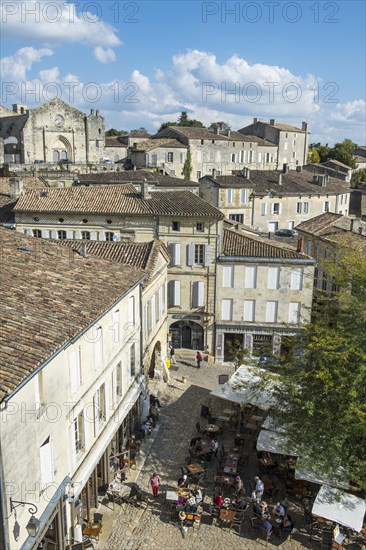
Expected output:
(149, 527)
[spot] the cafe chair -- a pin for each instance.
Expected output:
(98, 518)
(215, 512)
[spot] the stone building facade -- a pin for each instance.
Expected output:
(264, 294)
(53, 132)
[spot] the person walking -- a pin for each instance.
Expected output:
(172, 356)
(155, 481)
(198, 359)
(259, 489)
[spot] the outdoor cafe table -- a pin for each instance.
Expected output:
(93, 530)
(231, 463)
(172, 496)
(227, 515)
(195, 469)
(229, 470)
(211, 429)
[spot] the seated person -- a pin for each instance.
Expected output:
(145, 429)
(263, 508)
(218, 501)
(183, 481)
(154, 400)
(267, 526)
(198, 444)
(214, 447)
(238, 486)
(239, 503)
(287, 524)
(257, 509)
(279, 510)
(194, 441)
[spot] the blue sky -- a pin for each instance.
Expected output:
(291, 61)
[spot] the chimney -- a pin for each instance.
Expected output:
(229, 133)
(304, 126)
(82, 250)
(315, 179)
(217, 130)
(214, 173)
(285, 168)
(279, 178)
(247, 173)
(272, 121)
(134, 167)
(299, 169)
(15, 188)
(145, 190)
(255, 120)
(92, 111)
(322, 181)
(300, 245)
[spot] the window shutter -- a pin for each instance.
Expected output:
(296, 279)
(175, 252)
(250, 277)
(53, 234)
(131, 309)
(190, 252)
(29, 232)
(207, 255)
(272, 208)
(271, 312)
(45, 234)
(93, 235)
(198, 298)
(101, 236)
(228, 276)
(263, 209)
(153, 312)
(160, 302)
(249, 310)
(243, 195)
(280, 208)
(177, 293)
(226, 310)
(294, 312)
(273, 277)
(69, 234)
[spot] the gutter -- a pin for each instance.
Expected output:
(306, 261)
(65, 346)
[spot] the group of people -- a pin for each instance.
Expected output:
(197, 444)
(279, 515)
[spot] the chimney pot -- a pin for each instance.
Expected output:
(229, 133)
(304, 126)
(145, 190)
(272, 121)
(15, 188)
(214, 173)
(298, 168)
(279, 178)
(300, 245)
(217, 130)
(255, 120)
(285, 168)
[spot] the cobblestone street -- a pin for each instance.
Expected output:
(138, 529)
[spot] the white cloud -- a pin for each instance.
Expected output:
(104, 55)
(352, 110)
(57, 22)
(15, 67)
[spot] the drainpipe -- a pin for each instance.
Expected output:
(3, 525)
(215, 287)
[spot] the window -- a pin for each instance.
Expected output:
(237, 217)
(98, 348)
(230, 195)
(198, 294)
(109, 236)
(296, 279)
(174, 249)
(275, 208)
(263, 209)
(227, 310)
(169, 157)
(78, 428)
(298, 208)
(202, 141)
(115, 326)
(294, 312)
(99, 408)
(250, 156)
(271, 312)
(259, 157)
(243, 195)
(37, 233)
(228, 276)
(250, 277)
(306, 207)
(133, 360)
(61, 234)
(233, 157)
(198, 174)
(273, 281)
(75, 370)
(119, 379)
(199, 254)
(182, 158)
(85, 235)
(175, 226)
(249, 307)
(294, 155)
(200, 226)
(46, 466)
(174, 293)
(326, 206)
(341, 203)
(285, 146)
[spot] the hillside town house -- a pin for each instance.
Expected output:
(209, 150)
(291, 142)
(272, 200)
(71, 385)
(264, 293)
(322, 236)
(187, 225)
(116, 147)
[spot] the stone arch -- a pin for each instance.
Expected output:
(187, 334)
(61, 149)
(155, 358)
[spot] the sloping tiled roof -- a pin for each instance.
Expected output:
(238, 244)
(192, 132)
(7, 203)
(150, 144)
(330, 162)
(336, 228)
(293, 182)
(140, 255)
(320, 223)
(113, 142)
(134, 176)
(115, 199)
(48, 296)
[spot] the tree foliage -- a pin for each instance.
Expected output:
(313, 156)
(343, 152)
(112, 132)
(323, 400)
(222, 125)
(183, 120)
(358, 177)
(187, 168)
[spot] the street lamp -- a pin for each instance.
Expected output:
(33, 524)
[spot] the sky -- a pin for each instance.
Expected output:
(143, 62)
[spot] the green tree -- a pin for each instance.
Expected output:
(187, 168)
(166, 125)
(313, 156)
(222, 125)
(183, 120)
(343, 152)
(323, 152)
(112, 132)
(358, 177)
(322, 402)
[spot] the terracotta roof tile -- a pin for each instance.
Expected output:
(115, 199)
(134, 176)
(49, 295)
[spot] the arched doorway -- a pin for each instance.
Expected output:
(155, 359)
(61, 149)
(187, 334)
